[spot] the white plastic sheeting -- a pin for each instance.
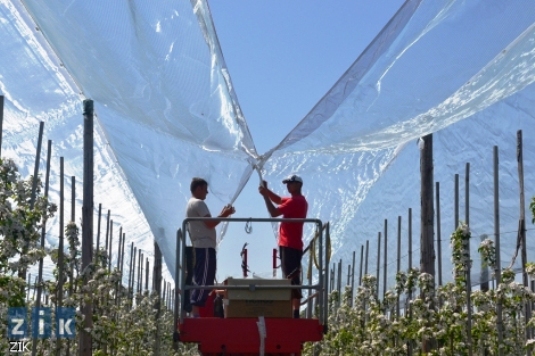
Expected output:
(167, 111)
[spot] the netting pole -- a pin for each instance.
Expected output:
(378, 261)
(43, 234)
(156, 287)
(522, 224)
(498, 264)
(367, 254)
(385, 261)
(484, 279)
(339, 282)
(427, 242)
(468, 266)
(352, 280)
(109, 247)
(439, 236)
(98, 231)
(456, 203)
(361, 262)
(398, 267)
(85, 340)
(61, 254)
(176, 310)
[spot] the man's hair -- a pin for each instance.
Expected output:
(197, 182)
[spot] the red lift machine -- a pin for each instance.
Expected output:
(256, 335)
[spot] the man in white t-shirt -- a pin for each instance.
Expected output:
(203, 239)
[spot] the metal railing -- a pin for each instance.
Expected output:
(180, 269)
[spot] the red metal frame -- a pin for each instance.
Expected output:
(240, 336)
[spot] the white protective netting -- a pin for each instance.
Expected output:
(167, 111)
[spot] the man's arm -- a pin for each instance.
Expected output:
(225, 213)
(273, 211)
(265, 191)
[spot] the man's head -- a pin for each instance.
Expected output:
(199, 188)
(294, 184)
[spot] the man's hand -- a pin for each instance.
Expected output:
(263, 189)
(227, 211)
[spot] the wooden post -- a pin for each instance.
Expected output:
(147, 274)
(468, 267)
(140, 271)
(156, 287)
(85, 340)
(385, 262)
(378, 262)
(398, 267)
(324, 300)
(332, 278)
(71, 264)
(439, 238)
(164, 294)
(339, 282)
(456, 203)
(352, 280)
(107, 237)
(427, 242)
(133, 271)
(409, 225)
(367, 254)
(61, 267)
(43, 234)
(498, 265)
(484, 279)
(73, 199)
(132, 252)
(522, 225)
(98, 228)
(110, 249)
(122, 256)
(361, 262)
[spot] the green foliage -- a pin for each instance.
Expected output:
(372, 327)
(123, 323)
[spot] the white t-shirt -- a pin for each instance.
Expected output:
(201, 235)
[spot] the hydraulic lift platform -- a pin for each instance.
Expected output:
(241, 336)
(258, 335)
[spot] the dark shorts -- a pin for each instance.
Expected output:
(203, 274)
(291, 267)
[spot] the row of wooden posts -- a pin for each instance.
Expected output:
(136, 274)
(427, 242)
(431, 238)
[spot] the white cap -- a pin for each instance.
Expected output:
(293, 178)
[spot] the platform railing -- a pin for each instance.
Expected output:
(180, 270)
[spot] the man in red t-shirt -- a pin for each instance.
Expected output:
(290, 233)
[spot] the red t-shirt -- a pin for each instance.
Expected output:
(291, 234)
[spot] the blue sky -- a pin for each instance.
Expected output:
(283, 56)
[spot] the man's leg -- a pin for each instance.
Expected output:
(205, 266)
(291, 264)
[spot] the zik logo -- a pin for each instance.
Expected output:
(18, 346)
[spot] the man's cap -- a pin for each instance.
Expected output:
(293, 178)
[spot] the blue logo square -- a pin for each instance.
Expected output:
(41, 323)
(65, 323)
(16, 323)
